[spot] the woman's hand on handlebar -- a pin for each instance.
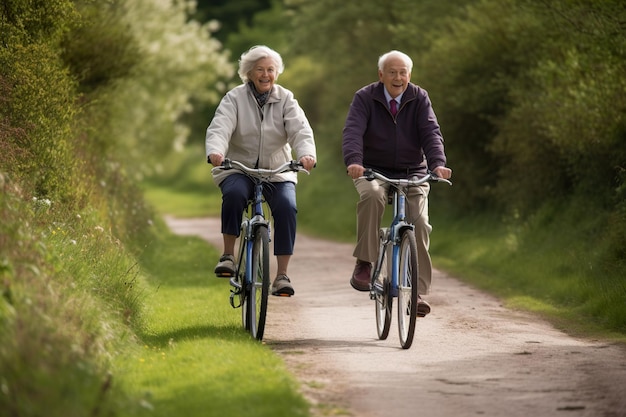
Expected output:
(216, 159)
(308, 162)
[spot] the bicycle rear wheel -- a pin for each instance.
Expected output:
(382, 285)
(255, 304)
(407, 288)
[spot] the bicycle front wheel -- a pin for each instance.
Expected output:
(255, 306)
(407, 288)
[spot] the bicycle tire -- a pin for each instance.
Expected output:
(384, 300)
(408, 275)
(258, 290)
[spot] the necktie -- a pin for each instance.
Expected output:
(392, 107)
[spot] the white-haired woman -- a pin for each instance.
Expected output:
(260, 124)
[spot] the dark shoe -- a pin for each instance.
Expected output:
(225, 267)
(282, 286)
(423, 307)
(361, 277)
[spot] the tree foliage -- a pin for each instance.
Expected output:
(231, 15)
(529, 94)
(524, 90)
(180, 62)
(38, 96)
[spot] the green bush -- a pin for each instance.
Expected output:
(74, 76)
(40, 106)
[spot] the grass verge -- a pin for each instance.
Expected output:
(194, 358)
(545, 267)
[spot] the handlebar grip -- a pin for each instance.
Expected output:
(226, 164)
(368, 173)
(436, 178)
(294, 165)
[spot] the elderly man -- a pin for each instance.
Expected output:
(391, 127)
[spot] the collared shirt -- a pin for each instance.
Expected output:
(388, 98)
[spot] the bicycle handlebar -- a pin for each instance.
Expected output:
(370, 175)
(292, 165)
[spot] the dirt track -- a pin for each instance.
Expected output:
(470, 357)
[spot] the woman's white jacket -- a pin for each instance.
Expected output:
(243, 131)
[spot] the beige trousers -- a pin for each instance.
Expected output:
(370, 211)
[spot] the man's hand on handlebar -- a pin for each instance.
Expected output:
(443, 172)
(355, 171)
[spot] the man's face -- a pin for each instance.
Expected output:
(395, 76)
(263, 75)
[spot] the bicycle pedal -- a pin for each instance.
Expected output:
(232, 300)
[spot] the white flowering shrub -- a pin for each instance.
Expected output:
(180, 61)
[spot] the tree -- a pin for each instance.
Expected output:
(181, 65)
(230, 14)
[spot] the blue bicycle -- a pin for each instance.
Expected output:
(251, 282)
(396, 272)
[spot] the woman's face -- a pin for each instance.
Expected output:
(395, 75)
(263, 75)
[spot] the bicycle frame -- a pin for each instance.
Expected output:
(398, 225)
(398, 188)
(394, 232)
(254, 218)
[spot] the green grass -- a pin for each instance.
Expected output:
(186, 204)
(185, 186)
(545, 267)
(194, 358)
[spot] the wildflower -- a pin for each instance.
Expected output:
(41, 204)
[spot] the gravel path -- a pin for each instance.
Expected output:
(470, 356)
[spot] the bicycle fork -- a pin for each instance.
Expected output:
(243, 278)
(391, 236)
(376, 284)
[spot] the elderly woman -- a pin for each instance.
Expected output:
(259, 123)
